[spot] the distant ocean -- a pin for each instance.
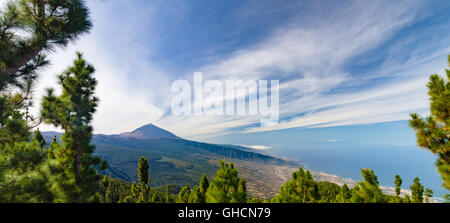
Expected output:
(387, 161)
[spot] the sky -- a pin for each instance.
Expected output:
(339, 63)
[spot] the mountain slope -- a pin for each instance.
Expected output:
(178, 161)
(172, 159)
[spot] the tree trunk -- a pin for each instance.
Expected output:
(77, 167)
(77, 162)
(13, 69)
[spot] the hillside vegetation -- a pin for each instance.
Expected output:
(136, 167)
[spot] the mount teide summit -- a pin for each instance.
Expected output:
(149, 131)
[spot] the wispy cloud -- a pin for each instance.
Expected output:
(311, 61)
(333, 140)
(128, 92)
(261, 147)
(313, 54)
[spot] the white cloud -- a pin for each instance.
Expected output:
(262, 147)
(310, 59)
(333, 140)
(128, 98)
(203, 127)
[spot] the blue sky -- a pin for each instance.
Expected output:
(340, 63)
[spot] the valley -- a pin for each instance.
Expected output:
(174, 160)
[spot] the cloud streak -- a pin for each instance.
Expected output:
(310, 61)
(315, 55)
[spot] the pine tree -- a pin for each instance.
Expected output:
(144, 179)
(406, 199)
(39, 138)
(14, 117)
(416, 191)
(143, 170)
(327, 192)
(73, 110)
(398, 184)
(369, 190)
(183, 195)
(29, 29)
(428, 195)
(345, 194)
(195, 196)
(52, 149)
(204, 184)
(447, 198)
(114, 190)
(167, 196)
(241, 195)
(26, 178)
(157, 197)
(302, 188)
(433, 133)
(135, 192)
(226, 186)
(44, 25)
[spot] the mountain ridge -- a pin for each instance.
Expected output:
(173, 160)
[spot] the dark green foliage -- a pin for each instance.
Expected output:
(114, 190)
(345, 194)
(204, 184)
(28, 30)
(368, 191)
(416, 191)
(183, 195)
(447, 198)
(241, 195)
(196, 196)
(157, 197)
(14, 116)
(144, 180)
(398, 183)
(143, 171)
(300, 189)
(133, 194)
(47, 24)
(428, 195)
(202, 189)
(39, 138)
(24, 174)
(52, 149)
(406, 199)
(328, 192)
(227, 186)
(168, 195)
(433, 133)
